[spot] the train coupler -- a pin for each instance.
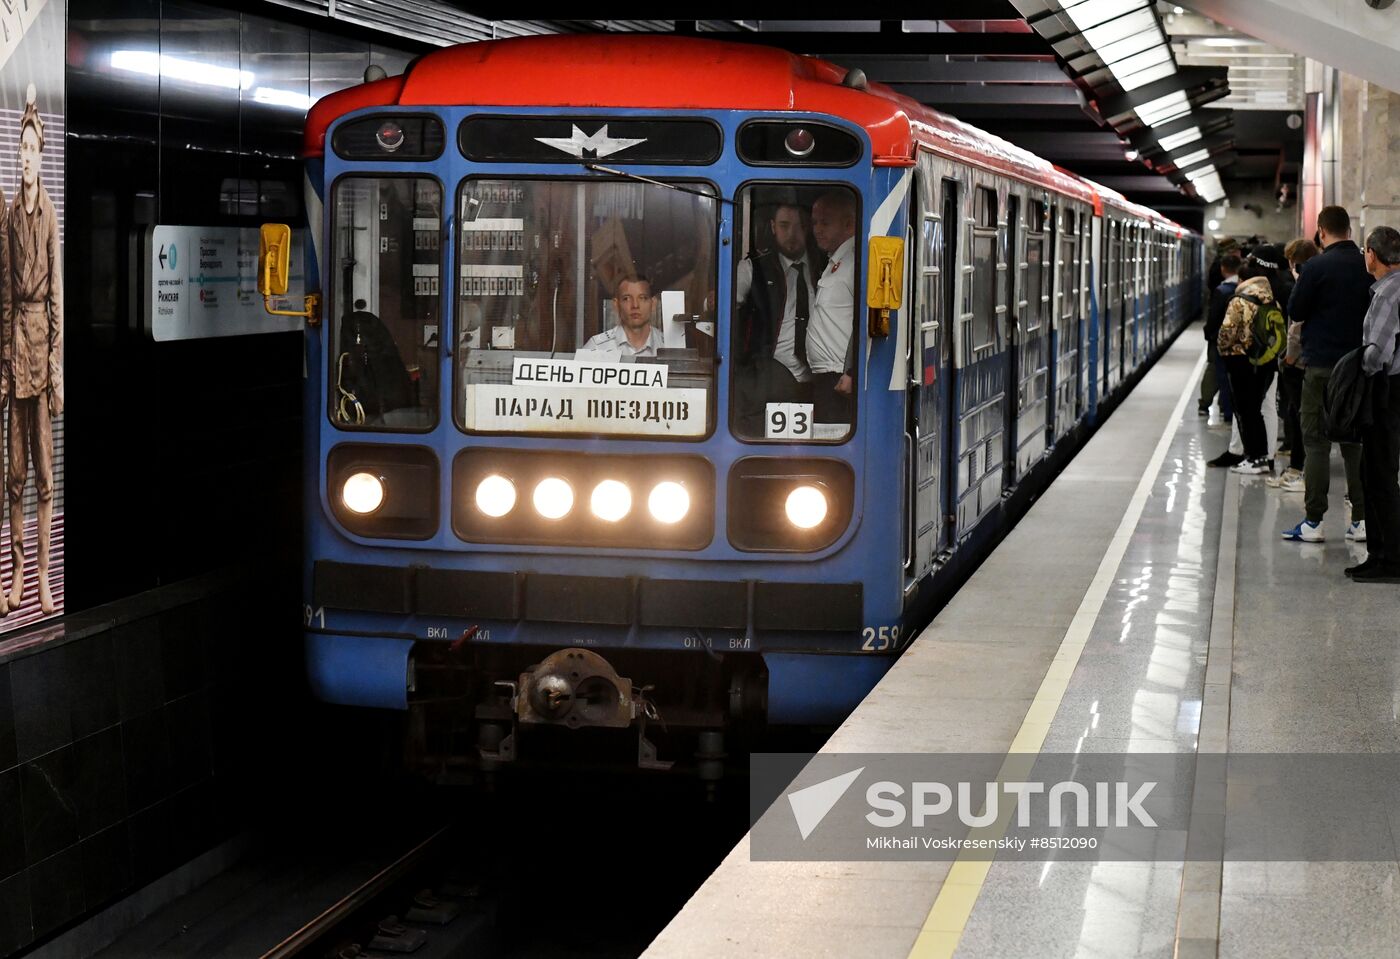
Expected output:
(574, 688)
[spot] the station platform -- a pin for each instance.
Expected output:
(1146, 604)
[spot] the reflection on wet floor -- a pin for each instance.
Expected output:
(1316, 668)
(1137, 688)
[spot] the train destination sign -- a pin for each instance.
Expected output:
(515, 408)
(565, 139)
(547, 372)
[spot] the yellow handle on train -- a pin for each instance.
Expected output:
(274, 272)
(884, 289)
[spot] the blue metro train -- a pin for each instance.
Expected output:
(665, 385)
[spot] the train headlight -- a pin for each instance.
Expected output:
(389, 136)
(800, 142)
(611, 500)
(495, 495)
(553, 498)
(669, 502)
(806, 507)
(362, 493)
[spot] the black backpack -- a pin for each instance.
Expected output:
(1346, 406)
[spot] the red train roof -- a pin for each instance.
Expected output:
(688, 73)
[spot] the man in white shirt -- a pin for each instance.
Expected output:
(774, 292)
(634, 334)
(830, 344)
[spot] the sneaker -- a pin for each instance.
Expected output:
(1305, 532)
(1294, 483)
(1253, 467)
(1284, 450)
(1356, 532)
(1226, 459)
(1289, 474)
(1202, 410)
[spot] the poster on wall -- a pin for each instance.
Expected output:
(32, 45)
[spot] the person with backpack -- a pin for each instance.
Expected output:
(1330, 300)
(1380, 437)
(1252, 336)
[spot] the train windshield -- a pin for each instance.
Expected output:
(585, 306)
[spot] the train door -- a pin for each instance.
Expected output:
(1092, 356)
(1035, 316)
(1066, 322)
(1138, 303)
(1113, 307)
(1129, 293)
(951, 280)
(1123, 303)
(925, 379)
(1008, 269)
(981, 387)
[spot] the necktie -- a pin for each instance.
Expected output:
(799, 345)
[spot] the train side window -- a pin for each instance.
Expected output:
(793, 325)
(984, 271)
(931, 270)
(386, 302)
(1008, 257)
(1035, 267)
(1069, 265)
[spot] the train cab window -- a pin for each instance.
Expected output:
(792, 333)
(585, 307)
(383, 335)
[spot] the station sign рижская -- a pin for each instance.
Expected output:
(202, 281)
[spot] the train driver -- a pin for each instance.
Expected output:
(634, 335)
(830, 345)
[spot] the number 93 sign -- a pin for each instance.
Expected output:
(788, 421)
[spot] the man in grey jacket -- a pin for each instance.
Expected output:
(1380, 439)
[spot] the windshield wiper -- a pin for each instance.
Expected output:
(627, 175)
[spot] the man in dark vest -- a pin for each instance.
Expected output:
(774, 292)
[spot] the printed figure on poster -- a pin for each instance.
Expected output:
(31, 313)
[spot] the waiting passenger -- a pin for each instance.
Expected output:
(1290, 382)
(1330, 301)
(1213, 379)
(830, 343)
(774, 293)
(1215, 365)
(1380, 438)
(634, 334)
(1215, 275)
(1260, 286)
